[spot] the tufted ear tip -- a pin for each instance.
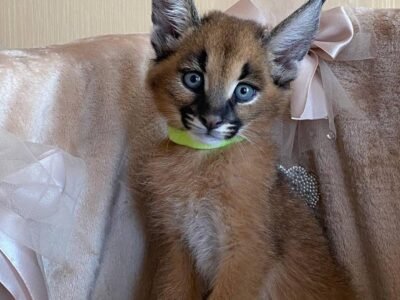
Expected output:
(171, 18)
(291, 40)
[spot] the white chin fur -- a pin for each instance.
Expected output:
(206, 139)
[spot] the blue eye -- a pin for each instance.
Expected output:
(193, 80)
(244, 93)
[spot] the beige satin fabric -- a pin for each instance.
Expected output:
(21, 275)
(247, 10)
(309, 101)
(39, 188)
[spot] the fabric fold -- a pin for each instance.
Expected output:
(316, 93)
(39, 188)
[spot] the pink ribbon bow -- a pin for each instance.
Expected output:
(309, 101)
(316, 88)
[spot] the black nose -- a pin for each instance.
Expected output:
(211, 121)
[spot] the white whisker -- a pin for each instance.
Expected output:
(194, 125)
(246, 133)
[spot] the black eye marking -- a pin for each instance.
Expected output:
(252, 76)
(202, 59)
(234, 129)
(187, 116)
(246, 70)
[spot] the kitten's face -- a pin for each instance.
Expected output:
(217, 80)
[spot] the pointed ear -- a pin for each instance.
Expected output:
(291, 40)
(171, 18)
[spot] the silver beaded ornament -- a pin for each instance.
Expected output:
(303, 183)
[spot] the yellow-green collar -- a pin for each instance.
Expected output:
(183, 138)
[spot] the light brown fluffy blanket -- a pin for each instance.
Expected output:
(89, 99)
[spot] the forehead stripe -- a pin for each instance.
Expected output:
(202, 60)
(245, 71)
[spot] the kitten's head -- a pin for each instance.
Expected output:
(217, 76)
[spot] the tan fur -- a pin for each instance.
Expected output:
(101, 78)
(261, 242)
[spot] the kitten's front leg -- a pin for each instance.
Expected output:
(241, 272)
(176, 278)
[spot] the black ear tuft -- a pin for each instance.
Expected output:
(291, 40)
(171, 18)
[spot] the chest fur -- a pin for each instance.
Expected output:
(201, 231)
(194, 194)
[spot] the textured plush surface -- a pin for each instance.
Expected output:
(88, 98)
(360, 175)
